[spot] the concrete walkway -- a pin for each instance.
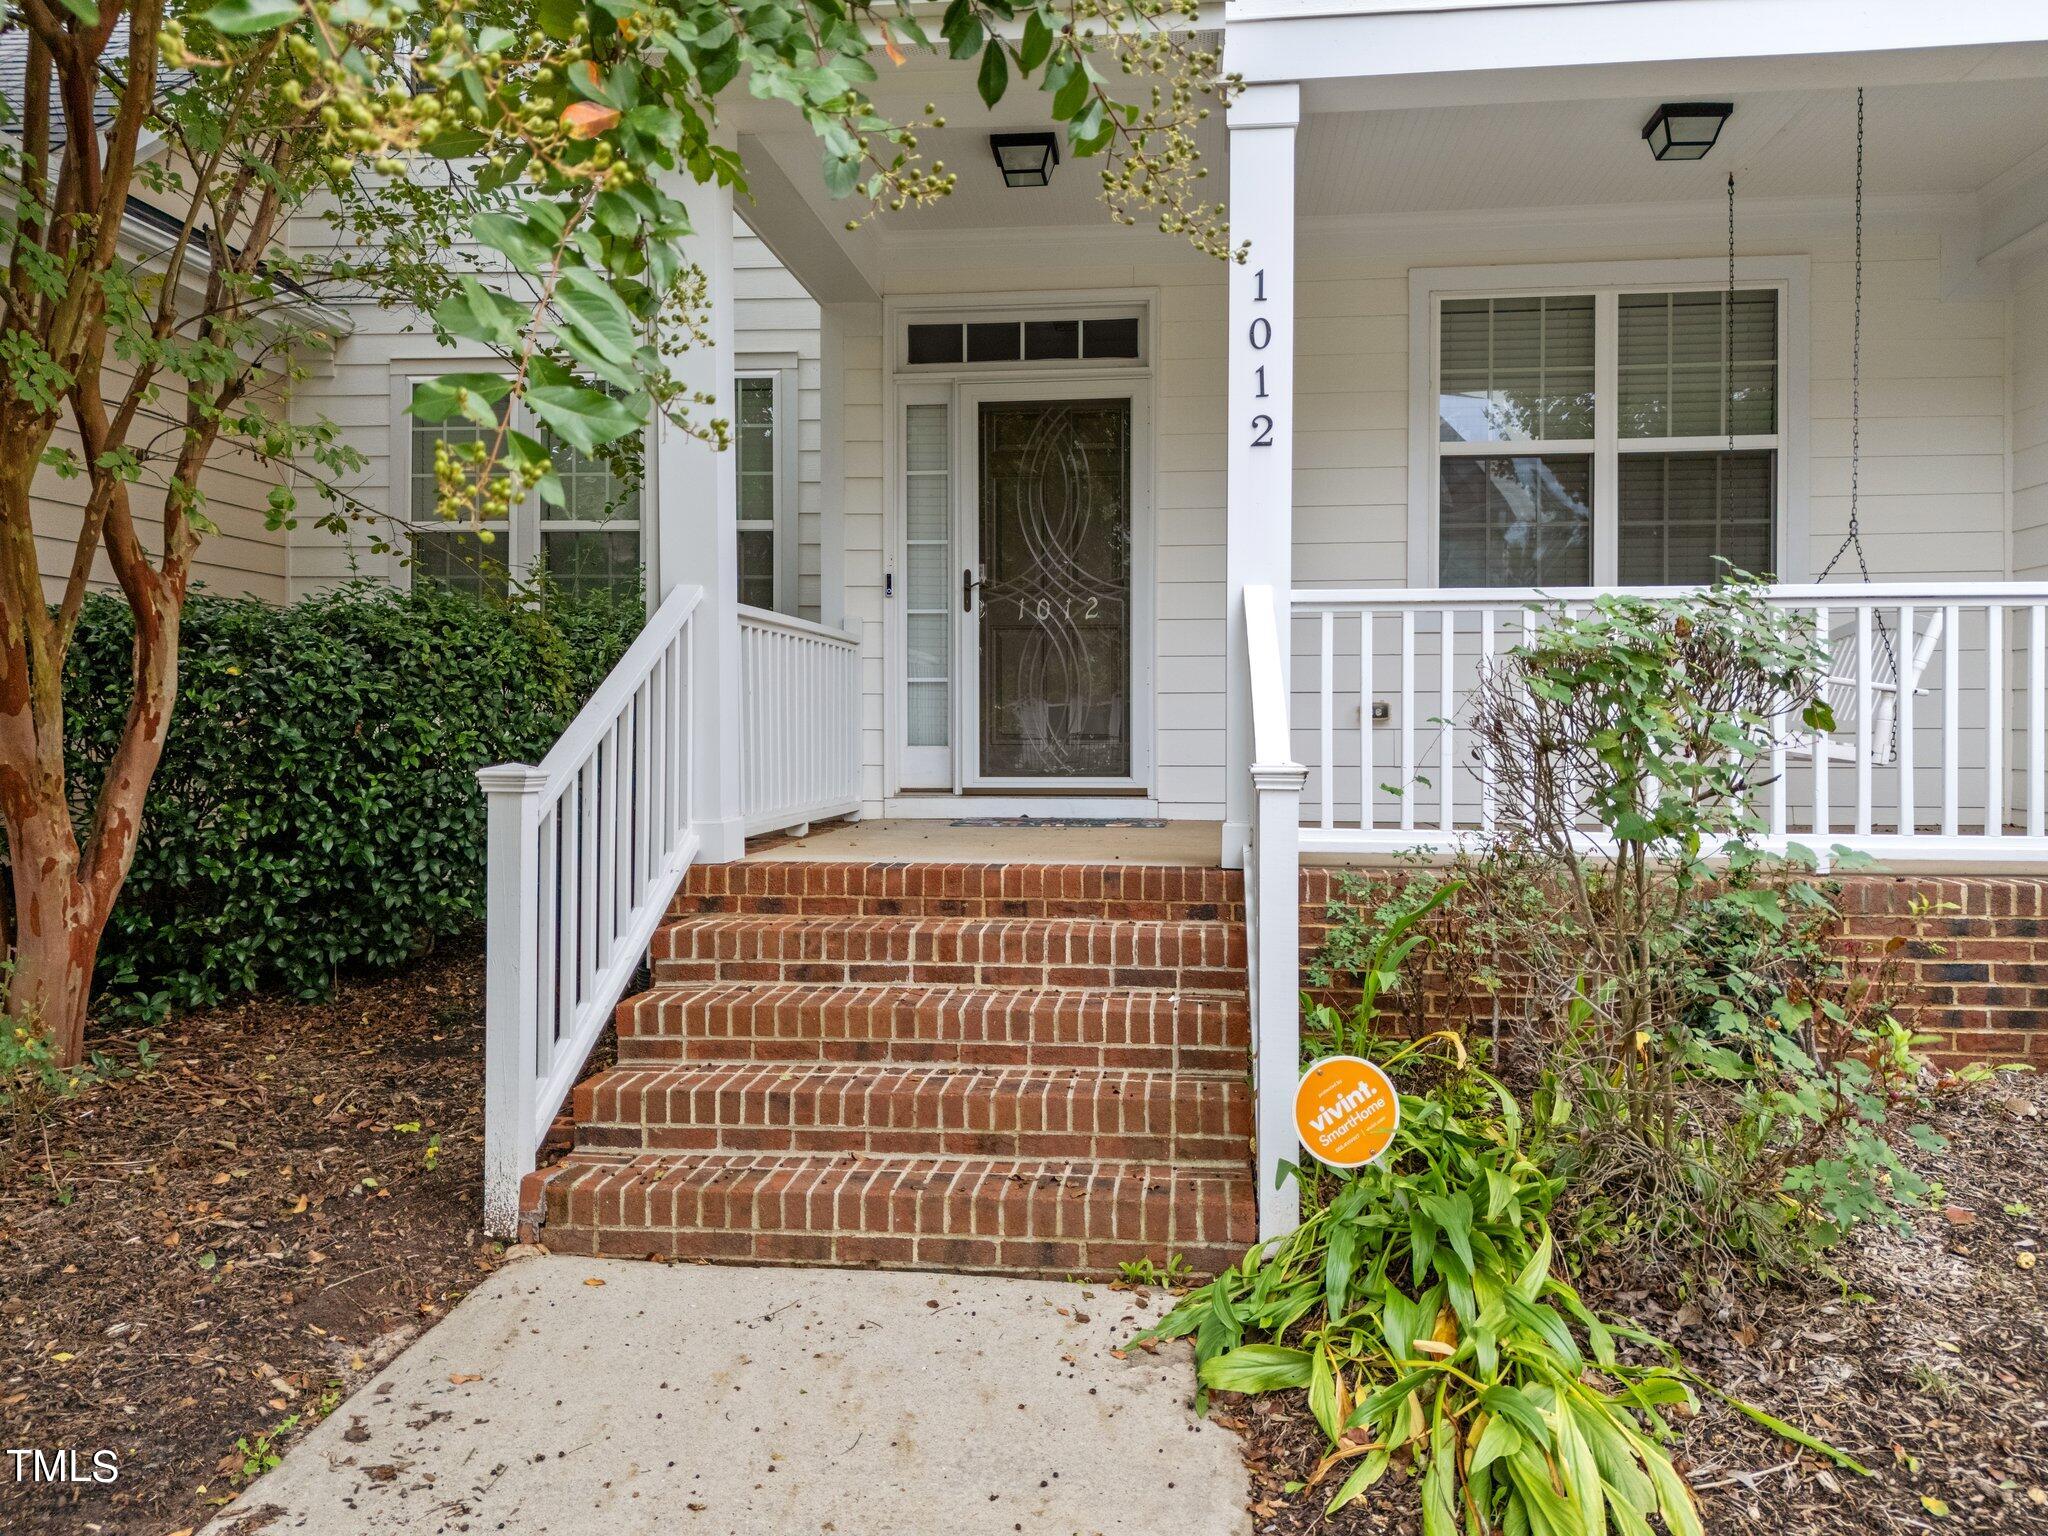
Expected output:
(593, 1396)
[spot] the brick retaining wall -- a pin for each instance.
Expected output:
(1979, 964)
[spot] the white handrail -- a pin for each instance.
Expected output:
(800, 697)
(586, 849)
(1273, 915)
(1928, 762)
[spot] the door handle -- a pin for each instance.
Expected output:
(967, 586)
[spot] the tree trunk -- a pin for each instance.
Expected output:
(55, 942)
(62, 895)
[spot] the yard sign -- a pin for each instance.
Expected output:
(1347, 1111)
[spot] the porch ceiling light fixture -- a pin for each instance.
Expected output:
(1686, 130)
(1025, 159)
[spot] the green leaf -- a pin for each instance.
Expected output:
(1369, 1471)
(1499, 1438)
(585, 419)
(237, 18)
(595, 315)
(1322, 1394)
(558, 18)
(471, 395)
(962, 30)
(1257, 1368)
(518, 241)
(995, 73)
(481, 314)
(1778, 1426)
(1036, 43)
(1090, 128)
(84, 10)
(1073, 88)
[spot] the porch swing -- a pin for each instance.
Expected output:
(1839, 687)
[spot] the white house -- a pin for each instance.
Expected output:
(1036, 516)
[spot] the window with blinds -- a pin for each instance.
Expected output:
(1673, 469)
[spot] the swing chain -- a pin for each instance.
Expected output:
(1728, 327)
(1853, 539)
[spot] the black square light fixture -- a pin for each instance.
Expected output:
(1025, 159)
(1686, 130)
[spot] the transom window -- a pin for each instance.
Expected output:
(1641, 422)
(1018, 339)
(589, 544)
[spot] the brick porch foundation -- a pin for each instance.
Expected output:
(1977, 967)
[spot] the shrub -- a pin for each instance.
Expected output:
(1680, 1004)
(317, 809)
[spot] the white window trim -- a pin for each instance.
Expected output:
(901, 383)
(781, 369)
(1606, 281)
(522, 531)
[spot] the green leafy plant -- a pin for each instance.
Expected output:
(1171, 1275)
(260, 1452)
(33, 1082)
(1373, 957)
(1422, 1311)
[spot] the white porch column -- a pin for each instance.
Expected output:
(1259, 515)
(696, 537)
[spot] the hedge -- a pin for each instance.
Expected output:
(317, 810)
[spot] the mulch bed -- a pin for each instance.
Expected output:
(234, 1239)
(1928, 1363)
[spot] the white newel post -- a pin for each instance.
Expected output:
(697, 537)
(1276, 1010)
(511, 1001)
(1259, 510)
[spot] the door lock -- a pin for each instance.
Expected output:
(967, 586)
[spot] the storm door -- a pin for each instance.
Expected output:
(1051, 590)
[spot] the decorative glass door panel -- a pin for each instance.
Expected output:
(1054, 598)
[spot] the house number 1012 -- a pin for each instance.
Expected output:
(1260, 335)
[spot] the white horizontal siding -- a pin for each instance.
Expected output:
(773, 315)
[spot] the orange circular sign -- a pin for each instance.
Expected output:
(1346, 1110)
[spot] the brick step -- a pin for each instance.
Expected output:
(969, 1026)
(1099, 1116)
(801, 888)
(1045, 1219)
(1009, 952)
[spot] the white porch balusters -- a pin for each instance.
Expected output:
(1259, 516)
(696, 530)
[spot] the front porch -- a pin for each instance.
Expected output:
(1104, 532)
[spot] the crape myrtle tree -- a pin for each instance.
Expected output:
(555, 138)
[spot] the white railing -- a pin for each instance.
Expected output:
(1272, 888)
(586, 850)
(1940, 693)
(800, 701)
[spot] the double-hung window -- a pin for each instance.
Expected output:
(589, 544)
(1595, 434)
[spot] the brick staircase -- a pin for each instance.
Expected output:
(1026, 1069)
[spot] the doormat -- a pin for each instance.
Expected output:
(1057, 821)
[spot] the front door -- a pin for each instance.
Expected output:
(1051, 590)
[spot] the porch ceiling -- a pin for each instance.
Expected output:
(1920, 140)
